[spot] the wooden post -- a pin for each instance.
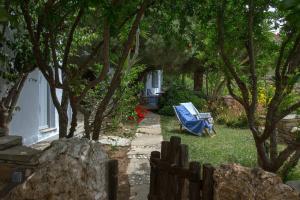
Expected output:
(163, 176)
(174, 150)
(174, 160)
(113, 179)
(153, 191)
(208, 182)
(182, 182)
(165, 147)
(194, 181)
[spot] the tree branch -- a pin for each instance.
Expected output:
(228, 64)
(250, 49)
(105, 69)
(70, 38)
(55, 61)
(283, 155)
(15, 97)
(231, 92)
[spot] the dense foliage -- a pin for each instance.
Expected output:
(176, 95)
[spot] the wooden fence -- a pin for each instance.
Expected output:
(173, 177)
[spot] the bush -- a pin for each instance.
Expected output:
(232, 118)
(176, 95)
(238, 122)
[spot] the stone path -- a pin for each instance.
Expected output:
(148, 139)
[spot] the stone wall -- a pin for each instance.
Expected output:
(69, 169)
(234, 182)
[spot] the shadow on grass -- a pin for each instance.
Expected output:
(182, 132)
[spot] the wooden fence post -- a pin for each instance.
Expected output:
(113, 179)
(208, 182)
(174, 150)
(194, 181)
(174, 160)
(182, 182)
(154, 174)
(163, 176)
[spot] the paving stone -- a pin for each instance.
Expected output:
(139, 179)
(10, 141)
(19, 154)
(115, 141)
(143, 150)
(144, 140)
(149, 130)
(139, 192)
(138, 166)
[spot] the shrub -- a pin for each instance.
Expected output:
(238, 122)
(126, 96)
(232, 118)
(176, 95)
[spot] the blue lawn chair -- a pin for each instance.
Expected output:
(191, 123)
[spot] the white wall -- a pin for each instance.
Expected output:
(148, 85)
(25, 121)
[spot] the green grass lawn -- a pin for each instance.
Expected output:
(229, 146)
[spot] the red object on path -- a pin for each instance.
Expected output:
(141, 112)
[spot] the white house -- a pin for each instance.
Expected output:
(153, 88)
(36, 119)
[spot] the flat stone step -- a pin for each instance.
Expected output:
(10, 141)
(20, 154)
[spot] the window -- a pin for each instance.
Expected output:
(46, 107)
(155, 79)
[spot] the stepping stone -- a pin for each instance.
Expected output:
(147, 140)
(10, 141)
(19, 154)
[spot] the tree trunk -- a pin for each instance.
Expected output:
(74, 107)
(116, 80)
(8, 104)
(262, 155)
(63, 115)
(273, 145)
(102, 107)
(87, 128)
(3, 121)
(198, 80)
(63, 125)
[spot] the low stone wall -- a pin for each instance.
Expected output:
(69, 169)
(234, 182)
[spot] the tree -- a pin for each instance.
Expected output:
(16, 63)
(67, 43)
(243, 79)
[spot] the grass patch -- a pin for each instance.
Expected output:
(229, 146)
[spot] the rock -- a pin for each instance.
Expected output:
(20, 154)
(70, 169)
(10, 141)
(237, 182)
